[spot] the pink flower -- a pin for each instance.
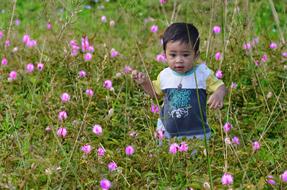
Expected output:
(65, 97)
(85, 44)
(62, 115)
(91, 49)
(114, 53)
(129, 150)
(108, 84)
(97, 129)
(173, 148)
(217, 56)
(154, 28)
(1, 34)
(284, 54)
(104, 19)
(49, 26)
(216, 29)
(7, 43)
(162, 2)
(183, 147)
(12, 75)
(62, 132)
(101, 152)
(255, 41)
(264, 58)
(270, 180)
(31, 43)
(40, 66)
(29, 68)
(17, 22)
(86, 149)
(284, 176)
(227, 179)
(88, 57)
(127, 69)
(89, 92)
(26, 38)
(112, 166)
(154, 108)
(105, 184)
(219, 74)
(255, 145)
(48, 129)
(161, 58)
(235, 140)
(159, 134)
(227, 140)
(273, 45)
(4, 61)
(82, 74)
(227, 127)
(233, 85)
(256, 62)
(247, 46)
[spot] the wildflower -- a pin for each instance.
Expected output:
(105, 184)
(108, 84)
(173, 148)
(88, 57)
(112, 166)
(91, 49)
(40, 66)
(89, 92)
(31, 43)
(1, 34)
(270, 180)
(12, 75)
(97, 129)
(82, 74)
(159, 134)
(29, 68)
(17, 22)
(15, 49)
(264, 58)
(227, 140)
(7, 43)
(247, 46)
(62, 132)
(114, 53)
(284, 54)
(133, 134)
(217, 56)
(86, 149)
(127, 69)
(49, 26)
(235, 140)
(129, 150)
(48, 129)
(154, 28)
(162, 2)
(255, 41)
(255, 145)
(62, 115)
(104, 19)
(26, 38)
(183, 147)
(227, 179)
(227, 127)
(154, 108)
(65, 97)
(101, 152)
(273, 45)
(4, 61)
(216, 29)
(112, 23)
(284, 176)
(161, 58)
(85, 44)
(219, 74)
(233, 85)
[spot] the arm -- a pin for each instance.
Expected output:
(217, 98)
(144, 82)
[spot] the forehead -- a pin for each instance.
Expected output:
(178, 46)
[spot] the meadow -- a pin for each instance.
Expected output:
(71, 117)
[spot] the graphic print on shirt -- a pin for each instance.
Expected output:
(179, 103)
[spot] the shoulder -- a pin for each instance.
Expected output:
(203, 69)
(165, 73)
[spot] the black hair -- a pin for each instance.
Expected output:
(183, 32)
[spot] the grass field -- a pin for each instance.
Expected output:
(53, 141)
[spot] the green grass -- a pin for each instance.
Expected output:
(32, 158)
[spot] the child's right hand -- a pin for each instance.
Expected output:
(139, 77)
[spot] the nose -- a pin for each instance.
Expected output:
(179, 59)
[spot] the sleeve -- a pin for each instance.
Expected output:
(156, 86)
(212, 83)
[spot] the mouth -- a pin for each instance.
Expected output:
(179, 68)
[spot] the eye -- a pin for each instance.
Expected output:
(186, 55)
(172, 54)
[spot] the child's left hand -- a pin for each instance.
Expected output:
(215, 101)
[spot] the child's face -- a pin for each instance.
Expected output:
(180, 56)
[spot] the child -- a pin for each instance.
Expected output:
(183, 85)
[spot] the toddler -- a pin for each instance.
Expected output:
(183, 85)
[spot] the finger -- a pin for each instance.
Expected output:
(209, 100)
